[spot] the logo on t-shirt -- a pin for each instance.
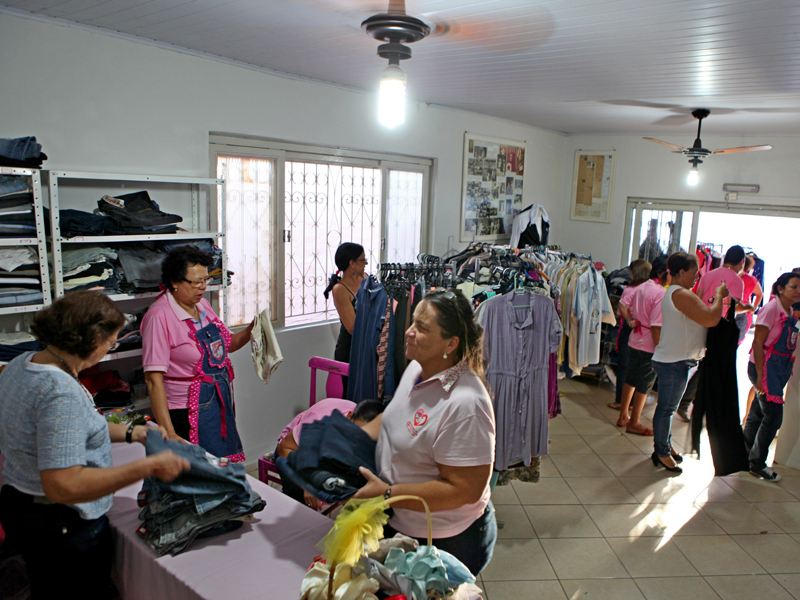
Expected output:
(420, 418)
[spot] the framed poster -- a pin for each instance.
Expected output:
(593, 186)
(491, 188)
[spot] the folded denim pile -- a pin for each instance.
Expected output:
(16, 343)
(16, 208)
(20, 279)
(23, 153)
(326, 464)
(129, 214)
(212, 498)
(90, 267)
(127, 268)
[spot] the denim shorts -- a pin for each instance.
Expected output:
(640, 371)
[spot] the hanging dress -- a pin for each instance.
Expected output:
(718, 399)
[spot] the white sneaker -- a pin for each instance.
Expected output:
(767, 473)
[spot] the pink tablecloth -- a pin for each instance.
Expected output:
(265, 560)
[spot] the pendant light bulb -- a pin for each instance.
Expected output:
(694, 176)
(392, 97)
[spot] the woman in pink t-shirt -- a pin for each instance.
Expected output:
(769, 370)
(437, 436)
(185, 357)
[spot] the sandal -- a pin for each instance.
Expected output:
(614, 405)
(642, 431)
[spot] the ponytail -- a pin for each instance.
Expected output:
(331, 282)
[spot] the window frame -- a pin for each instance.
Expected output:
(282, 151)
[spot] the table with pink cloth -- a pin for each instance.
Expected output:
(265, 559)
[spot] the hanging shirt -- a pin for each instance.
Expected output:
(645, 306)
(591, 306)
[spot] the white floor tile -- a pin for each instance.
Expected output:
(551, 490)
(776, 553)
(602, 589)
(748, 587)
(565, 521)
(716, 555)
(519, 590)
(650, 556)
(518, 560)
(676, 588)
(583, 558)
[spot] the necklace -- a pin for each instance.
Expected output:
(64, 365)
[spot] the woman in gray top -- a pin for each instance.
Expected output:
(58, 474)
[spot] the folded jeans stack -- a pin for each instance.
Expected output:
(90, 267)
(210, 499)
(20, 279)
(136, 214)
(16, 208)
(24, 153)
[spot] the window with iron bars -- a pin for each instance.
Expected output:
(379, 204)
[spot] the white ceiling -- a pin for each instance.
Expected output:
(576, 66)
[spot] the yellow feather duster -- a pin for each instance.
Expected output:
(358, 528)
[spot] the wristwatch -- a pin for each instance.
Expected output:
(129, 433)
(387, 493)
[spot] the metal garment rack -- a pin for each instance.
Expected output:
(213, 217)
(40, 241)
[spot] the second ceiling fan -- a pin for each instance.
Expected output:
(697, 153)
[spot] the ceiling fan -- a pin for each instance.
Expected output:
(697, 153)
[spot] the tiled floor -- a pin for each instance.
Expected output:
(603, 522)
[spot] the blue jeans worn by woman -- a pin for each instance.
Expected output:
(672, 380)
(762, 424)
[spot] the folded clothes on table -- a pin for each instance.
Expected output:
(209, 499)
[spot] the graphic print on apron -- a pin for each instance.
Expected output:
(212, 413)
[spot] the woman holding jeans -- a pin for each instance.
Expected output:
(685, 319)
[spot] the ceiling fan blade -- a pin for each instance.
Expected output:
(681, 148)
(742, 149)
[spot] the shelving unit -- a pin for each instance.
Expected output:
(212, 219)
(215, 220)
(40, 241)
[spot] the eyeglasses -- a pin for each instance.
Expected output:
(198, 283)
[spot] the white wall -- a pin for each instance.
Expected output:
(649, 170)
(106, 104)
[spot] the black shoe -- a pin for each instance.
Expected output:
(657, 463)
(676, 456)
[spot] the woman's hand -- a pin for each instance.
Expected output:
(375, 485)
(722, 291)
(140, 433)
(759, 384)
(311, 502)
(166, 466)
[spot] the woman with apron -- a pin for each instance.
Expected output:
(769, 369)
(185, 356)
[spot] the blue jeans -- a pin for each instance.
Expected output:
(762, 424)
(672, 380)
(474, 546)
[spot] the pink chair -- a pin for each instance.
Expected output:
(334, 388)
